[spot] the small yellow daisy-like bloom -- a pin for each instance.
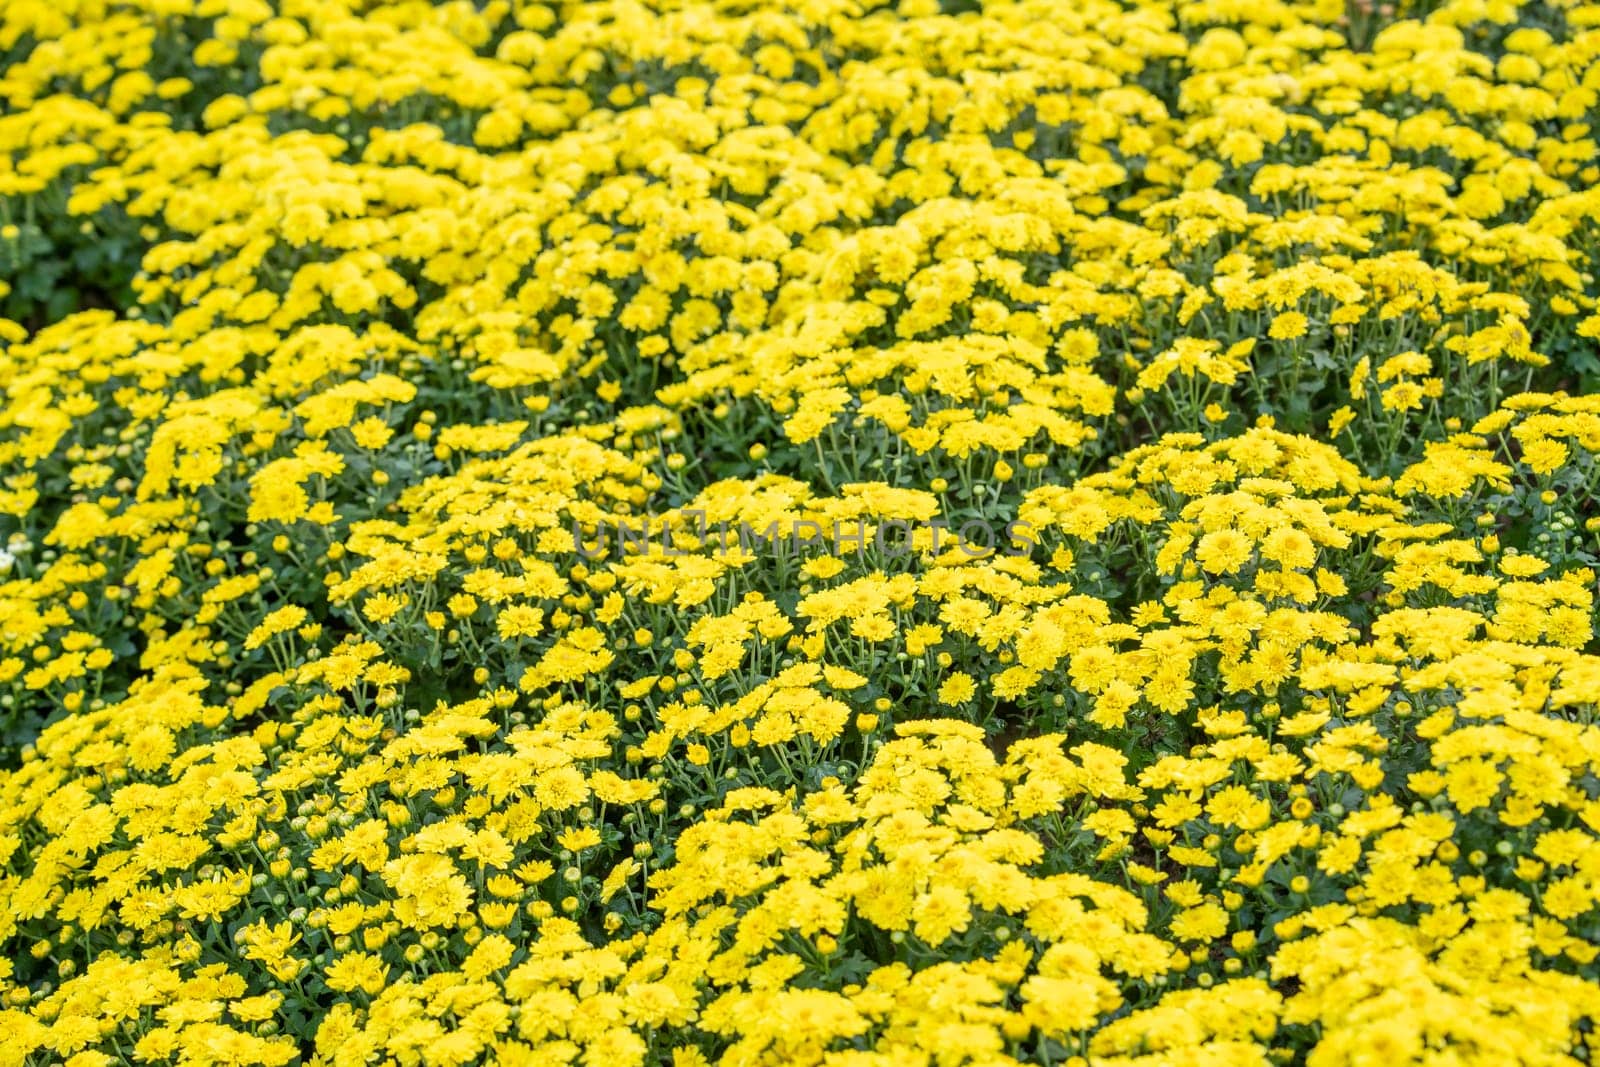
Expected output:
(1545, 456)
(578, 838)
(371, 433)
(383, 607)
(957, 688)
(1288, 326)
(1224, 551)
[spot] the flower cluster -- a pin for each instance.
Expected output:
(1266, 332)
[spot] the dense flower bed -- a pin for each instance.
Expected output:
(395, 667)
